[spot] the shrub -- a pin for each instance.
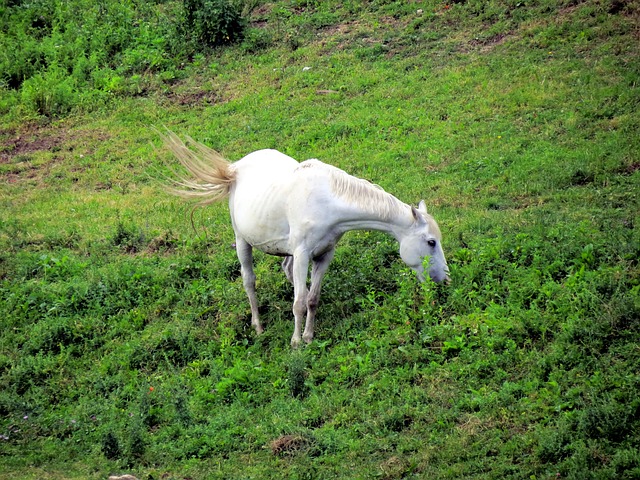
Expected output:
(256, 39)
(128, 237)
(213, 22)
(50, 93)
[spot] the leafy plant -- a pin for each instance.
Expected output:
(128, 237)
(297, 376)
(213, 22)
(50, 93)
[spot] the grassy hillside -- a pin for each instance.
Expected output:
(125, 337)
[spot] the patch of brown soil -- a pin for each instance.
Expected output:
(496, 39)
(192, 99)
(288, 444)
(355, 31)
(485, 45)
(630, 169)
(19, 144)
(28, 140)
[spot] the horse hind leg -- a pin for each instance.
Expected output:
(245, 255)
(287, 267)
(319, 268)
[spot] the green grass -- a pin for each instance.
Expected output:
(126, 344)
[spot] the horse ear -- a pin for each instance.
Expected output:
(417, 215)
(422, 206)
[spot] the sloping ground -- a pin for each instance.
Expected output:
(125, 341)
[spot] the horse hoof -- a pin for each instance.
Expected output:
(295, 342)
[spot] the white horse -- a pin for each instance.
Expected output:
(300, 211)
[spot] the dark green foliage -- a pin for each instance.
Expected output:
(297, 374)
(135, 443)
(111, 446)
(256, 40)
(128, 237)
(61, 56)
(78, 55)
(183, 414)
(213, 22)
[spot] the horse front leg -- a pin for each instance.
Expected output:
(319, 268)
(299, 272)
(245, 255)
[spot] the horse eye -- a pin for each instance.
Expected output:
(431, 243)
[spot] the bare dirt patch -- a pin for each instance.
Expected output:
(289, 445)
(485, 45)
(260, 16)
(192, 99)
(41, 153)
(343, 35)
(14, 143)
(630, 169)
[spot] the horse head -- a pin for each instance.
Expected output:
(423, 240)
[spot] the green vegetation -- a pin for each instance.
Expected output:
(125, 343)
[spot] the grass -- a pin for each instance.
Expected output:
(126, 345)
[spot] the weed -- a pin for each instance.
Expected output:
(183, 413)
(111, 446)
(297, 376)
(50, 93)
(135, 443)
(128, 237)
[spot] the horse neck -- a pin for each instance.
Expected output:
(396, 222)
(367, 206)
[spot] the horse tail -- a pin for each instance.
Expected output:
(211, 174)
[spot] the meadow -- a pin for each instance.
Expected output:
(125, 336)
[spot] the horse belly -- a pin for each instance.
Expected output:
(260, 218)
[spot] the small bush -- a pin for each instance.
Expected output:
(128, 237)
(136, 445)
(51, 93)
(256, 39)
(182, 412)
(211, 23)
(297, 373)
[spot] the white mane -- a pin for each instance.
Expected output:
(362, 193)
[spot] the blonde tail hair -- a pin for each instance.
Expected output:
(212, 175)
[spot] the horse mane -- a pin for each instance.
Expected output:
(362, 193)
